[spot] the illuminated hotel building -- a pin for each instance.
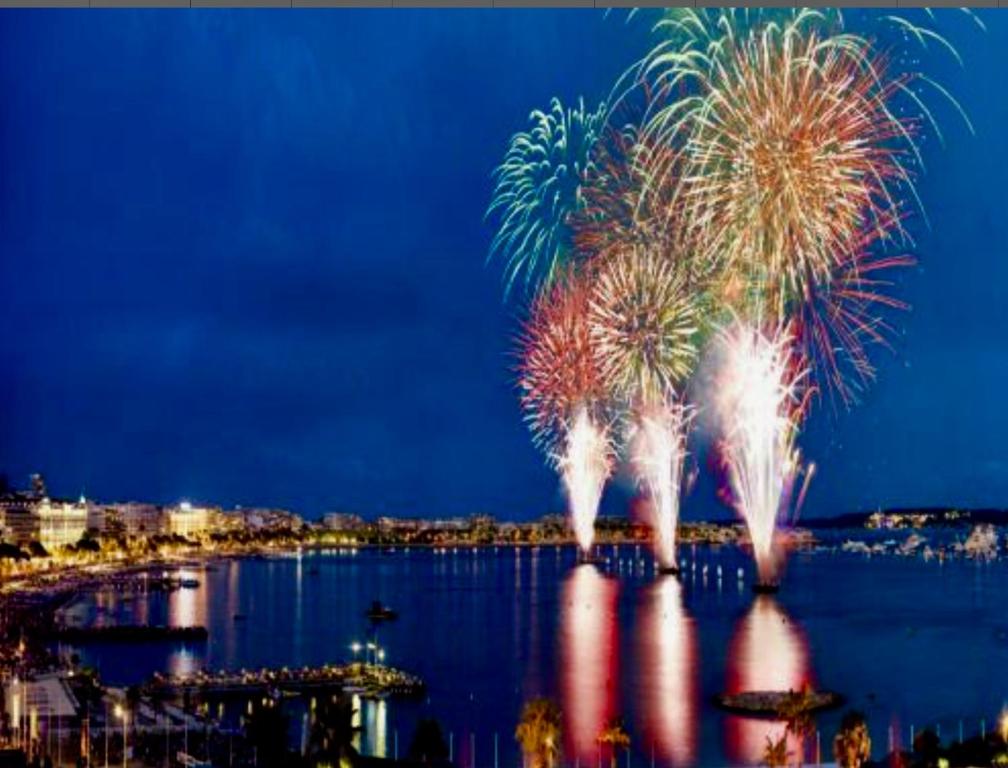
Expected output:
(61, 523)
(20, 523)
(134, 518)
(189, 521)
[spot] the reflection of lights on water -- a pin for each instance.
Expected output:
(589, 663)
(183, 662)
(768, 653)
(375, 727)
(187, 606)
(669, 686)
(355, 721)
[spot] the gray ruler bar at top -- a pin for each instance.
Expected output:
(476, 4)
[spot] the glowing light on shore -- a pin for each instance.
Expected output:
(659, 451)
(760, 411)
(585, 467)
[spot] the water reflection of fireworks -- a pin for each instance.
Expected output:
(589, 664)
(669, 684)
(769, 652)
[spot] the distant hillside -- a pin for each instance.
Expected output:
(932, 516)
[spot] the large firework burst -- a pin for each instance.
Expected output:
(643, 321)
(558, 369)
(794, 154)
(537, 188)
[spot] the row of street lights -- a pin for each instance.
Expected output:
(373, 653)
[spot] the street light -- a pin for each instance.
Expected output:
(122, 713)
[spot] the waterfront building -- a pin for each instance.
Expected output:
(18, 519)
(190, 521)
(265, 519)
(341, 521)
(20, 522)
(60, 523)
(96, 515)
(133, 519)
(399, 525)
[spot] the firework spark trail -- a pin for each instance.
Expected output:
(644, 324)
(563, 398)
(760, 408)
(585, 467)
(659, 452)
(538, 187)
(798, 151)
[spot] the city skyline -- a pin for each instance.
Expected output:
(196, 250)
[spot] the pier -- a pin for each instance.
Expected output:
(367, 680)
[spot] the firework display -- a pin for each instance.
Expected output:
(538, 187)
(643, 324)
(759, 403)
(755, 197)
(563, 396)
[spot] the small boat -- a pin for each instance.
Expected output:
(239, 617)
(189, 583)
(379, 612)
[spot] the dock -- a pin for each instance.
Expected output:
(367, 680)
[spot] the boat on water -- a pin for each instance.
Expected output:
(239, 617)
(379, 612)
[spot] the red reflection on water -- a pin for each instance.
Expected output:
(588, 660)
(669, 686)
(768, 652)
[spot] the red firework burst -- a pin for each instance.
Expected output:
(838, 322)
(557, 368)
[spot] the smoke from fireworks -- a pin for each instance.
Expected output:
(760, 406)
(538, 187)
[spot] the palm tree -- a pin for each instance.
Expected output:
(538, 732)
(616, 737)
(775, 754)
(331, 734)
(852, 745)
(428, 744)
(795, 710)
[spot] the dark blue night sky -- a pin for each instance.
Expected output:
(242, 261)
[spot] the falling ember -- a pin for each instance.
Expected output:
(585, 467)
(760, 410)
(659, 451)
